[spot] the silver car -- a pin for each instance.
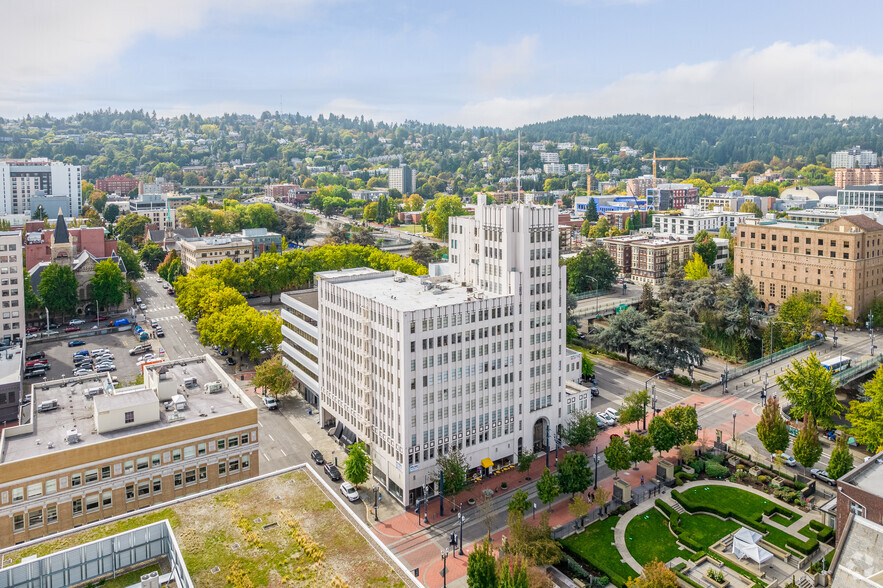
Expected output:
(349, 491)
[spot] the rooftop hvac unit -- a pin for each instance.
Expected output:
(72, 437)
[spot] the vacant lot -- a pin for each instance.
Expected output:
(280, 531)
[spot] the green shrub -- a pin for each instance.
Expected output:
(688, 580)
(698, 555)
(665, 507)
(679, 567)
(698, 465)
(719, 458)
(763, 479)
(716, 470)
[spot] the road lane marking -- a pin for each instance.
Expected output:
(283, 453)
(271, 437)
(265, 456)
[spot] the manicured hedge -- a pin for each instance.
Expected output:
(824, 532)
(665, 507)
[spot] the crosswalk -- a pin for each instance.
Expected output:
(175, 317)
(158, 308)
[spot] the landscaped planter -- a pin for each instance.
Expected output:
(714, 582)
(755, 471)
(471, 501)
(777, 482)
(688, 470)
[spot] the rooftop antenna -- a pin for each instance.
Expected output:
(519, 167)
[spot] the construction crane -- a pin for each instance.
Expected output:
(654, 159)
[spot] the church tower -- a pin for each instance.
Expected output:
(62, 248)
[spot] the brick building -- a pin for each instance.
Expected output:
(648, 259)
(87, 451)
(857, 176)
(843, 257)
(860, 492)
(92, 239)
(118, 184)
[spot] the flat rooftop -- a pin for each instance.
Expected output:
(407, 293)
(10, 365)
(308, 297)
(868, 476)
(76, 409)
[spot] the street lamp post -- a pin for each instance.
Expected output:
(596, 470)
(445, 567)
(734, 423)
(375, 504)
(462, 519)
(646, 382)
(547, 446)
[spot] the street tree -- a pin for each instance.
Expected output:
(592, 269)
(481, 567)
(705, 247)
(772, 429)
(807, 447)
(170, 267)
(624, 333)
(798, 318)
(640, 448)
(151, 255)
(274, 377)
(547, 487)
(696, 268)
(578, 508)
(810, 389)
(600, 497)
(454, 467)
(270, 273)
(108, 284)
(58, 289)
(357, 465)
(111, 212)
(134, 271)
(524, 461)
(443, 208)
(648, 300)
(663, 434)
(867, 417)
(131, 227)
(581, 429)
(617, 455)
(835, 311)
(841, 459)
(655, 574)
(634, 406)
(574, 473)
(533, 541)
(672, 341)
(519, 503)
(684, 419)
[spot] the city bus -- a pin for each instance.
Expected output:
(837, 364)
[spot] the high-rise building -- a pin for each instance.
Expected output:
(19, 180)
(857, 176)
(403, 179)
(417, 367)
(855, 157)
(12, 294)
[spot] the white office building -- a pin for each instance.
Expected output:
(855, 157)
(417, 367)
(12, 294)
(693, 220)
(20, 179)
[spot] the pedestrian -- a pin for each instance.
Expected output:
(642, 480)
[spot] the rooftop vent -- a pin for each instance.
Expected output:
(72, 437)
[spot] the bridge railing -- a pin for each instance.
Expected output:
(848, 374)
(766, 360)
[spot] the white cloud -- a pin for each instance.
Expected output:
(496, 68)
(351, 107)
(780, 80)
(53, 41)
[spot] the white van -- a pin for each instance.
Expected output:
(213, 387)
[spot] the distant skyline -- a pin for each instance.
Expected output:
(469, 63)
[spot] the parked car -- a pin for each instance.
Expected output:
(605, 418)
(270, 403)
(595, 392)
(32, 330)
(159, 280)
(154, 323)
(349, 491)
(105, 368)
(75, 343)
(74, 322)
(82, 372)
(146, 357)
(823, 476)
(82, 352)
(142, 306)
(789, 461)
(332, 472)
(612, 413)
(32, 336)
(71, 329)
(50, 333)
(37, 363)
(316, 456)
(160, 332)
(602, 424)
(138, 299)
(99, 319)
(231, 361)
(35, 355)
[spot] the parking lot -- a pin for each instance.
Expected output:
(60, 356)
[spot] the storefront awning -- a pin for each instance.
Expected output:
(338, 429)
(348, 436)
(487, 463)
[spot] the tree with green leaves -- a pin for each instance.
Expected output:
(705, 247)
(443, 208)
(807, 447)
(797, 319)
(655, 574)
(581, 429)
(841, 460)
(294, 227)
(58, 289)
(547, 487)
(624, 333)
(684, 419)
(674, 285)
(810, 389)
(867, 417)
(592, 210)
(648, 300)
(772, 429)
(454, 467)
(421, 253)
(672, 341)
(131, 227)
(574, 473)
(587, 367)
(634, 406)
(513, 573)
(151, 255)
(835, 311)
(751, 207)
(578, 508)
(357, 466)
(111, 212)
(519, 503)
(32, 300)
(617, 455)
(131, 260)
(524, 461)
(738, 312)
(592, 269)
(600, 229)
(663, 434)
(640, 448)
(170, 267)
(274, 377)
(481, 567)
(108, 284)
(585, 228)
(696, 269)
(534, 541)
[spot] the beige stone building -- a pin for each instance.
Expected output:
(843, 257)
(86, 451)
(214, 250)
(644, 258)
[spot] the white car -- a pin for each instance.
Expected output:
(603, 416)
(82, 372)
(142, 306)
(612, 413)
(138, 299)
(146, 357)
(349, 491)
(75, 322)
(788, 460)
(159, 280)
(32, 336)
(105, 368)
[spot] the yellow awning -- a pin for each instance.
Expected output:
(487, 463)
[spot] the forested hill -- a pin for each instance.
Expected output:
(717, 140)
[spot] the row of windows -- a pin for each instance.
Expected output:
(47, 487)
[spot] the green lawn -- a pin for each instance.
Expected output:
(411, 228)
(706, 530)
(648, 537)
(782, 520)
(595, 545)
(724, 500)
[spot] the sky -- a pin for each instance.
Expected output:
(475, 63)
